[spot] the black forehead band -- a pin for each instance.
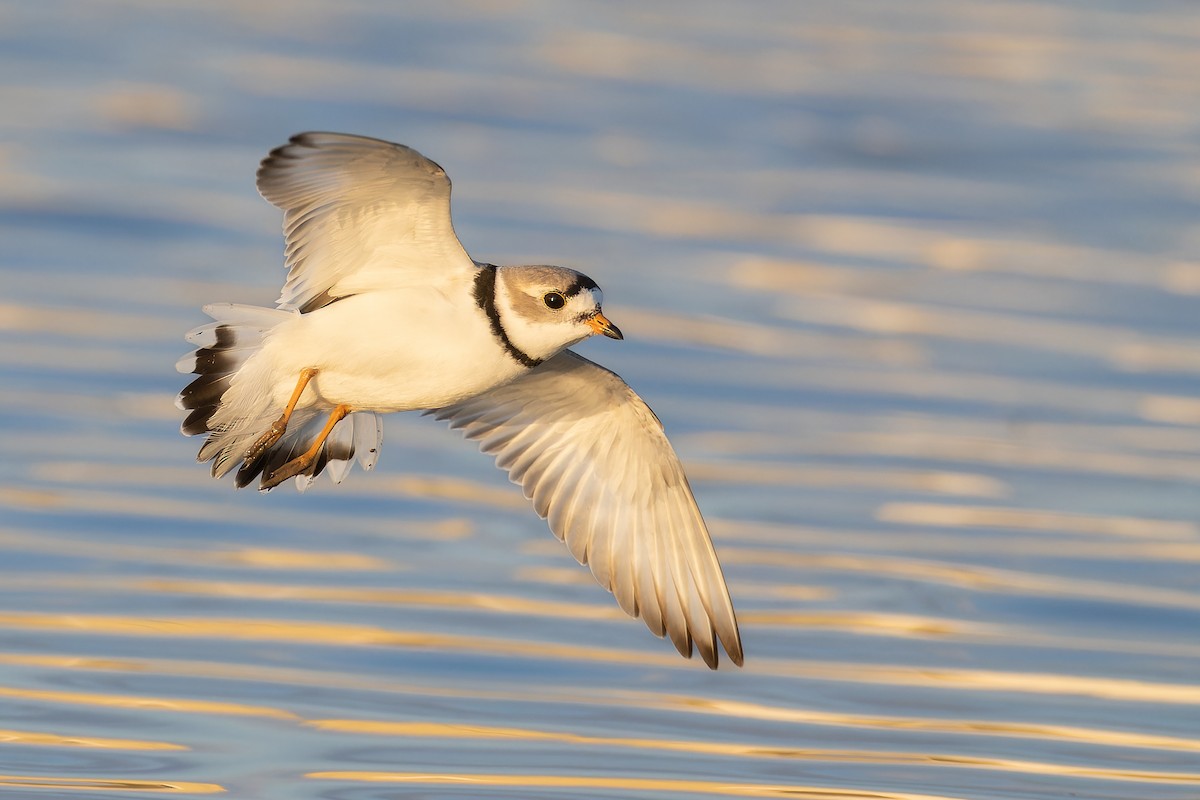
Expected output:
(581, 283)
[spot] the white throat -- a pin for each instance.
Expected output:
(530, 331)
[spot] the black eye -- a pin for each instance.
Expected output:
(554, 300)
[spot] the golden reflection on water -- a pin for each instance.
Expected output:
(1170, 409)
(424, 730)
(924, 627)
(145, 703)
(901, 480)
(879, 623)
(1012, 452)
(478, 601)
(142, 504)
(831, 432)
(631, 784)
(920, 244)
(1032, 519)
(67, 497)
(106, 785)
(227, 557)
(1083, 449)
(1016, 394)
(391, 485)
(973, 577)
(1122, 348)
(859, 623)
(973, 680)
(564, 696)
(302, 632)
(736, 709)
(457, 490)
(947, 545)
(60, 740)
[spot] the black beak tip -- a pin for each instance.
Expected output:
(613, 332)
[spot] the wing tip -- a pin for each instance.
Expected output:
(300, 145)
(712, 658)
(709, 649)
(736, 656)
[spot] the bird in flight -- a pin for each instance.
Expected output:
(384, 311)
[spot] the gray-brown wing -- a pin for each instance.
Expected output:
(594, 460)
(359, 214)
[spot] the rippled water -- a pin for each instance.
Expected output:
(913, 287)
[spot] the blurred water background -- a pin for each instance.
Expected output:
(914, 287)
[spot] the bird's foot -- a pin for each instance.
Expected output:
(265, 441)
(301, 463)
(279, 426)
(289, 470)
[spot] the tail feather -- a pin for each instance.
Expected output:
(339, 448)
(230, 401)
(203, 397)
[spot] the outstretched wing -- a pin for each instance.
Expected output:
(359, 214)
(594, 460)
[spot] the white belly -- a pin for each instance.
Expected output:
(396, 350)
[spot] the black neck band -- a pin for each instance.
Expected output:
(485, 297)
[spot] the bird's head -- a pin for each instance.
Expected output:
(545, 309)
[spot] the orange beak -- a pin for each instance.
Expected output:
(600, 324)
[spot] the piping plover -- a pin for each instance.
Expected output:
(382, 311)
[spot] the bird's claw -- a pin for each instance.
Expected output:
(289, 470)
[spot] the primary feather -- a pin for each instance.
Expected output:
(594, 460)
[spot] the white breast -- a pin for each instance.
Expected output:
(394, 350)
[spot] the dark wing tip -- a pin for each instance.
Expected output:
(731, 639)
(712, 658)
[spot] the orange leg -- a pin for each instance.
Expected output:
(301, 463)
(280, 425)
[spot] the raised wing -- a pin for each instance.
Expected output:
(359, 214)
(594, 460)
